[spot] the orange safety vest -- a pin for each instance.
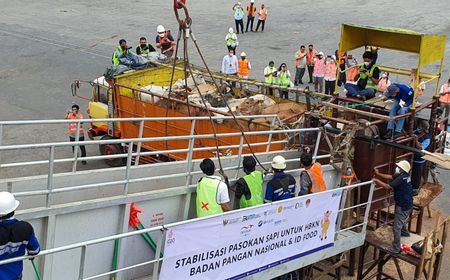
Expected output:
(263, 13)
(352, 74)
(299, 57)
(243, 69)
(341, 54)
(330, 70)
(310, 56)
(315, 174)
(73, 125)
(445, 97)
(383, 84)
(252, 12)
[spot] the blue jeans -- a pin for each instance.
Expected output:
(396, 109)
(354, 90)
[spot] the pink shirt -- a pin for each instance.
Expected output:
(319, 67)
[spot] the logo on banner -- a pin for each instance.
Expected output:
(250, 217)
(270, 212)
(263, 222)
(336, 194)
(280, 209)
(279, 222)
(245, 230)
(230, 221)
(170, 238)
(298, 205)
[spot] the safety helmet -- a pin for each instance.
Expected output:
(404, 165)
(243, 54)
(278, 162)
(8, 203)
(230, 30)
(252, 1)
(320, 54)
(160, 29)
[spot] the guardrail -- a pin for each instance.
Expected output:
(82, 246)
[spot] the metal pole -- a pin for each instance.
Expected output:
(241, 144)
(316, 148)
(75, 149)
(50, 177)
(341, 214)
(138, 149)
(128, 168)
(158, 255)
(1, 139)
(369, 202)
(190, 153)
(272, 124)
(82, 262)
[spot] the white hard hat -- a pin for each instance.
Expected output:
(239, 3)
(8, 203)
(278, 162)
(320, 53)
(333, 57)
(252, 1)
(404, 165)
(243, 54)
(230, 30)
(160, 29)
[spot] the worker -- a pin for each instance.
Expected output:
(330, 74)
(251, 13)
(422, 142)
(282, 185)
(212, 192)
(284, 80)
(300, 65)
(384, 82)
(231, 40)
(121, 50)
(238, 13)
(403, 96)
(270, 74)
(403, 197)
(412, 82)
(144, 48)
(16, 238)
(74, 114)
(310, 55)
(230, 65)
(249, 189)
(319, 72)
(444, 99)
(369, 75)
(262, 16)
(311, 179)
(244, 66)
(342, 56)
(165, 41)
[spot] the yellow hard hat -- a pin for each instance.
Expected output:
(404, 165)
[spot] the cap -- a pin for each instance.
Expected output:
(391, 90)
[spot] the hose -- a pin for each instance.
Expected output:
(36, 270)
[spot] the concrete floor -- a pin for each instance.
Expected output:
(45, 45)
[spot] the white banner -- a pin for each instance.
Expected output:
(235, 245)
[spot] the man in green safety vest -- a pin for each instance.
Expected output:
(270, 74)
(249, 189)
(212, 192)
(122, 49)
(369, 76)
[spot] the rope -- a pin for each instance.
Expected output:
(36, 269)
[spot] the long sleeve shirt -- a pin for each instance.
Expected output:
(230, 65)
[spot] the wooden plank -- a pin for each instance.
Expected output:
(356, 111)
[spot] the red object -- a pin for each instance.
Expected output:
(134, 219)
(178, 6)
(205, 206)
(408, 250)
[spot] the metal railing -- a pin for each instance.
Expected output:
(82, 246)
(49, 189)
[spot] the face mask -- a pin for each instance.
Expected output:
(143, 45)
(397, 170)
(161, 35)
(383, 76)
(366, 63)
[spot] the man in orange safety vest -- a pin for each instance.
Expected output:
(311, 179)
(72, 115)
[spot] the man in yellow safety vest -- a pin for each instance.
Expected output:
(249, 189)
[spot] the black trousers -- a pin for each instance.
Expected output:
(342, 76)
(330, 86)
(416, 175)
(260, 22)
(250, 20)
(239, 23)
(310, 72)
(82, 148)
(284, 93)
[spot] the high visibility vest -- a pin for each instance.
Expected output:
(310, 57)
(115, 57)
(364, 76)
(254, 182)
(319, 67)
(263, 13)
(383, 84)
(243, 69)
(298, 58)
(445, 97)
(251, 10)
(352, 73)
(270, 79)
(315, 174)
(73, 125)
(231, 38)
(145, 50)
(283, 79)
(206, 201)
(330, 70)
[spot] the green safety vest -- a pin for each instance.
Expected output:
(206, 201)
(271, 78)
(364, 76)
(145, 50)
(284, 80)
(231, 38)
(115, 56)
(254, 182)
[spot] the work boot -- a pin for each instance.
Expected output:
(405, 234)
(388, 134)
(391, 251)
